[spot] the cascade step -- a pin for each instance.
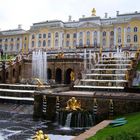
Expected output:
(94, 80)
(97, 74)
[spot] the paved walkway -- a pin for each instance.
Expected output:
(92, 131)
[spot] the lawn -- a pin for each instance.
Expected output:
(129, 131)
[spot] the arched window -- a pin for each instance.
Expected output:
(74, 43)
(56, 42)
(88, 33)
(39, 43)
(81, 34)
(111, 41)
(49, 43)
(88, 42)
(68, 35)
(74, 35)
(95, 33)
(119, 30)
(80, 42)
(135, 29)
(104, 42)
(49, 35)
(112, 33)
(95, 42)
(11, 47)
(33, 43)
(56, 34)
(44, 35)
(135, 38)
(104, 33)
(67, 44)
(6, 47)
(119, 39)
(128, 29)
(44, 43)
(33, 36)
(128, 38)
(17, 46)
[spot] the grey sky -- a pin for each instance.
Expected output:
(26, 12)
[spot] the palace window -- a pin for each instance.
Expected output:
(88, 33)
(128, 39)
(95, 42)
(111, 41)
(39, 43)
(56, 42)
(104, 42)
(44, 35)
(135, 38)
(74, 43)
(12, 39)
(6, 40)
(67, 44)
(49, 43)
(33, 36)
(104, 33)
(25, 38)
(81, 34)
(68, 35)
(112, 33)
(119, 39)
(33, 43)
(17, 46)
(49, 35)
(11, 47)
(74, 35)
(119, 30)
(56, 34)
(0, 40)
(44, 43)
(88, 42)
(95, 33)
(18, 39)
(135, 29)
(40, 36)
(128, 29)
(5, 47)
(80, 42)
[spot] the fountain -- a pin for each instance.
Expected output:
(73, 116)
(108, 73)
(39, 65)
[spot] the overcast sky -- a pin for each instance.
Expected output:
(27, 12)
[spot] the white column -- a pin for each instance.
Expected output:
(108, 38)
(98, 37)
(30, 42)
(36, 40)
(60, 39)
(77, 39)
(92, 38)
(124, 37)
(20, 43)
(114, 37)
(83, 38)
(14, 45)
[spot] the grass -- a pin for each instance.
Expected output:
(138, 66)
(129, 131)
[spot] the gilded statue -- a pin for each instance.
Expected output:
(72, 76)
(73, 104)
(40, 136)
(93, 12)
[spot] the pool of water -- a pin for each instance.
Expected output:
(17, 126)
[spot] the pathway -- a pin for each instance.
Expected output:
(92, 131)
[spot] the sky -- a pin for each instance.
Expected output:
(27, 12)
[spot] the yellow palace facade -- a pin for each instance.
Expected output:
(91, 32)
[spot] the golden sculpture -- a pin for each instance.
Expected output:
(73, 104)
(72, 76)
(93, 12)
(40, 136)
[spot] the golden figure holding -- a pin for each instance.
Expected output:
(73, 104)
(40, 136)
(93, 12)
